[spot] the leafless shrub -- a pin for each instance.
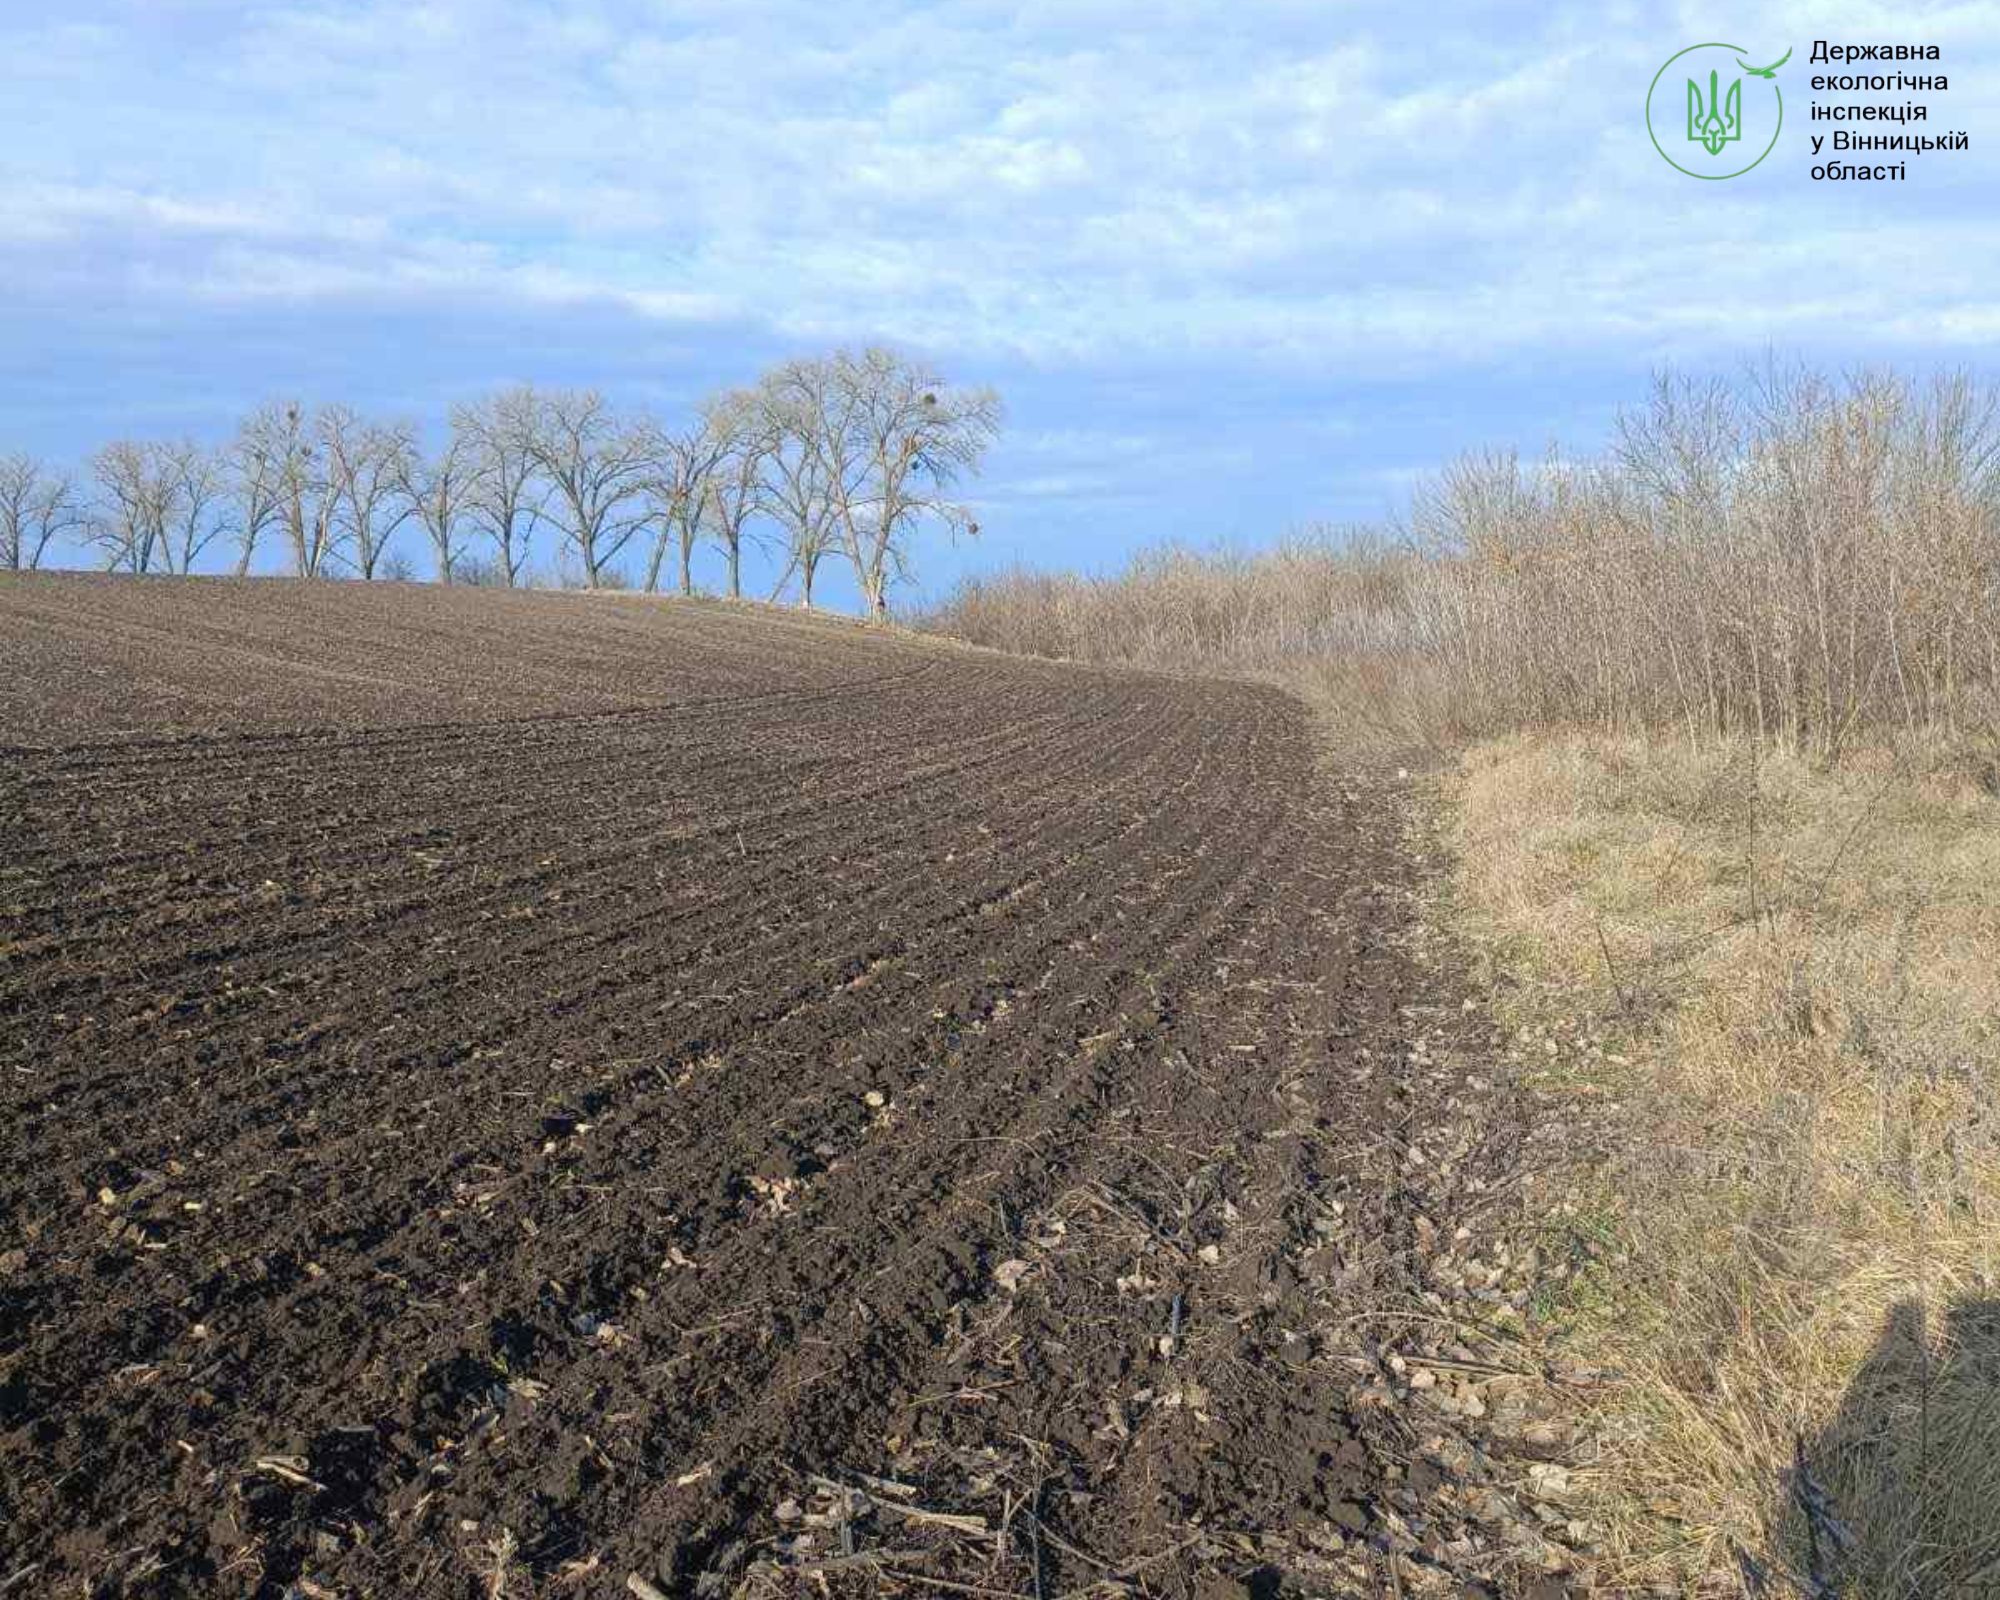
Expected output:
(1792, 558)
(479, 572)
(1334, 610)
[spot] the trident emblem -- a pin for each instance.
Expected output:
(1721, 121)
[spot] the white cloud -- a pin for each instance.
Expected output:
(1293, 183)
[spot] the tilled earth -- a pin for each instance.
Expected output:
(539, 1095)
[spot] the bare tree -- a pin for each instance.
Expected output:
(365, 465)
(806, 465)
(910, 440)
(201, 490)
(37, 507)
(734, 482)
(286, 449)
(140, 500)
(851, 453)
(677, 486)
(435, 488)
(500, 495)
(597, 466)
(257, 462)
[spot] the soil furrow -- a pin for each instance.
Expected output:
(525, 1074)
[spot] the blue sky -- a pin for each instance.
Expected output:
(1234, 266)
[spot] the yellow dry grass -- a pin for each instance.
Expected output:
(1794, 981)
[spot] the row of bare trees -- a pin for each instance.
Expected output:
(850, 455)
(1805, 560)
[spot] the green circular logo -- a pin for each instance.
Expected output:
(1708, 109)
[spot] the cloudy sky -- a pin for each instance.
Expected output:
(1236, 265)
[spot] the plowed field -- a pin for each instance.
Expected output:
(504, 1093)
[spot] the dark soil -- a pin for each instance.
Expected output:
(504, 1093)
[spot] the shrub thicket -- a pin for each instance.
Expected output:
(1799, 559)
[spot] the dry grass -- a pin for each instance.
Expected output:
(1796, 980)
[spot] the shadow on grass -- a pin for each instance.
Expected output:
(1898, 1497)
